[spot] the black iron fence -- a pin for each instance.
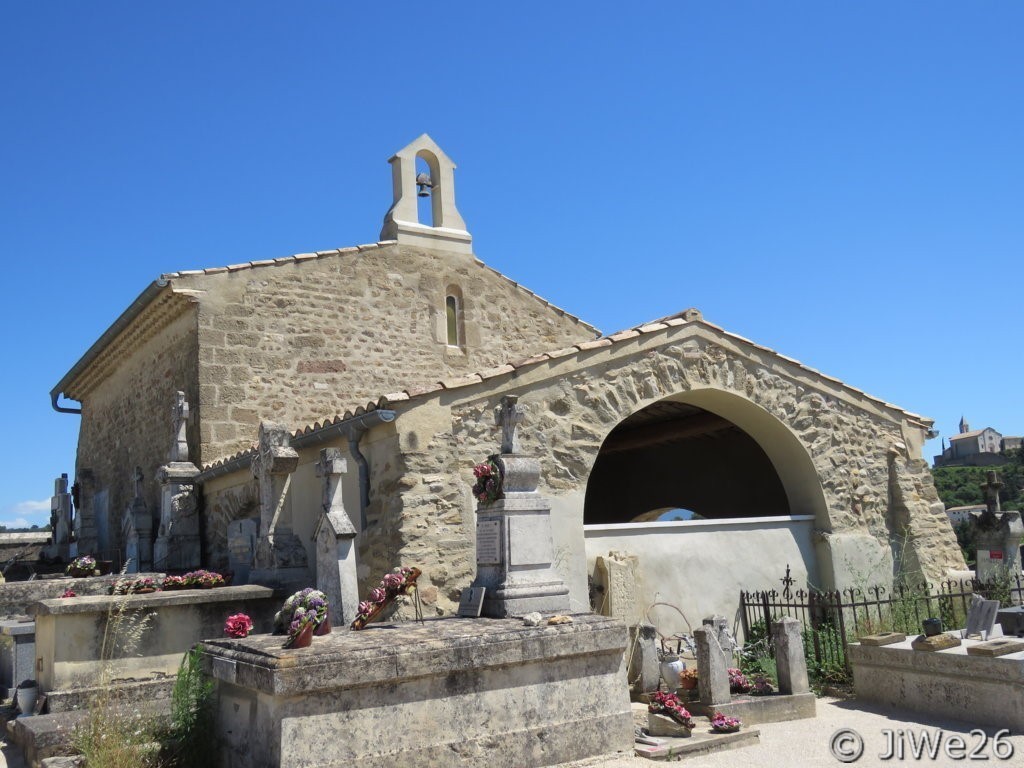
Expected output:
(831, 619)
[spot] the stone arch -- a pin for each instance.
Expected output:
(788, 456)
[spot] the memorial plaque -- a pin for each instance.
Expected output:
(883, 638)
(471, 602)
(488, 542)
(995, 648)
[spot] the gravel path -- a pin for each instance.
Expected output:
(805, 743)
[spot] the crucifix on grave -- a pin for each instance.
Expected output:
(177, 542)
(514, 549)
(335, 542)
(280, 558)
(998, 535)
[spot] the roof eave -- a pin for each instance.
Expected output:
(134, 309)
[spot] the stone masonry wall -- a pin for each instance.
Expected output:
(126, 422)
(307, 338)
(857, 452)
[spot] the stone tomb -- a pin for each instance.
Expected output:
(447, 693)
(985, 691)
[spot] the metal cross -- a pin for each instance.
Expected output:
(787, 582)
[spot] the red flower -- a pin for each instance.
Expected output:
(69, 593)
(238, 625)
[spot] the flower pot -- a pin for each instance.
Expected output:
(688, 683)
(302, 640)
(26, 698)
(670, 669)
(324, 627)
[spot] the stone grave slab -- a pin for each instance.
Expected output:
(883, 638)
(999, 647)
(939, 642)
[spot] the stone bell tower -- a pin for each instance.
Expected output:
(402, 220)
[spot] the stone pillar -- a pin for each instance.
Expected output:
(789, 656)
(60, 521)
(712, 667)
(177, 544)
(514, 550)
(281, 560)
(335, 535)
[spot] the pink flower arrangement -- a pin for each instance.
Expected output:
(401, 581)
(724, 724)
(670, 705)
(238, 625)
(738, 682)
(488, 481)
(69, 593)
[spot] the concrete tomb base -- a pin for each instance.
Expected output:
(447, 693)
(949, 683)
(755, 710)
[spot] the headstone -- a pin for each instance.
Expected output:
(335, 537)
(712, 667)
(137, 528)
(60, 521)
(514, 545)
(791, 665)
(981, 616)
(725, 639)
(280, 559)
(177, 545)
(242, 548)
(644, 671)
(998, 536)
(618, 576)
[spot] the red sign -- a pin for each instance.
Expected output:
(995, 554)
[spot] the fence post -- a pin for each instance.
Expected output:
(842, 629)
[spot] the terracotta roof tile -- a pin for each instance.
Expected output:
(623, 335)
(501, 370)
(604, 341)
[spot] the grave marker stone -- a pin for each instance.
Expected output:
(791, 665)
(335, 537)
(280, 559)
(981, 616)
(60, 521)
(712, 667)
(514, 545)
(177, 545)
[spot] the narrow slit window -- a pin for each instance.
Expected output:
(452, 311)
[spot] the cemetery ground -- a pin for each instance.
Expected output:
(799, 743)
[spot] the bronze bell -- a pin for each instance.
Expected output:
(425, 185)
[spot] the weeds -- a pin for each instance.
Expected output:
(115, 734)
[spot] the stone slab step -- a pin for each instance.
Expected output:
(700, 743)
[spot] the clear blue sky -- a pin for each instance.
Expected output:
(841, 182)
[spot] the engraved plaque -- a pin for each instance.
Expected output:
(488, 541)
(472, 602)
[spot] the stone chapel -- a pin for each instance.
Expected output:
(396, 354)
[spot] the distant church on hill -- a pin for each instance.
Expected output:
(976, 447)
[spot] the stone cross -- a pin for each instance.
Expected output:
(509, 415)
(137, 478)
(991, 489)
(179, 417)
(280, 560)
(331, 467)
(272, 467)
(336, 572)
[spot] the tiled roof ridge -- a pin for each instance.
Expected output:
(685, 317)
(300, 257)
(293, 259)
